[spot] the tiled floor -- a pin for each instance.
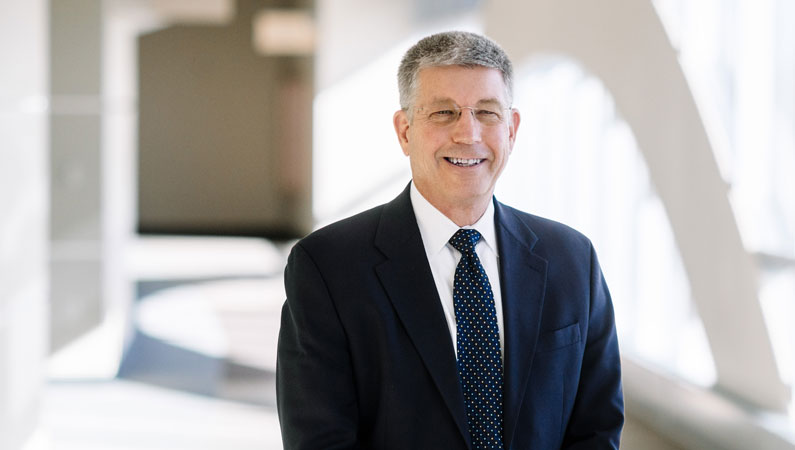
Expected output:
(124, 415)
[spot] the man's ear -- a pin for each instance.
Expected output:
(401, 122)
(513, 125)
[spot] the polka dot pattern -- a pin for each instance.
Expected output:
(478, 343)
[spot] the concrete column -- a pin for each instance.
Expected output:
(76, 230)
(23, 216)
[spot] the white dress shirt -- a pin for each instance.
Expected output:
(436, 229)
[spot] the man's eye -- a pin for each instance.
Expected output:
(444, 112)
(486, 112)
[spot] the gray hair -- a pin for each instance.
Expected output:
(451, 48)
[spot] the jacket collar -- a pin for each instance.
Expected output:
(407, 279)
(522, 277)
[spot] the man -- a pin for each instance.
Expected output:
(445, 319)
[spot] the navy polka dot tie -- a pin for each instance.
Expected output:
(478, 343)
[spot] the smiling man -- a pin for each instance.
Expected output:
(457, 152)
(445, 319)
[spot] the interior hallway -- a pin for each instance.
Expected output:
(709, 352)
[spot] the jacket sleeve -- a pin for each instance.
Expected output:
(315, 388)
(598, 414)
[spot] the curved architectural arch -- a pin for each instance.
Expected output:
(630, 52)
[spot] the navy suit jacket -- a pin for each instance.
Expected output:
(366, 360)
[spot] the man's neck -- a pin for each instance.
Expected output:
(464, 217)
(462, 213)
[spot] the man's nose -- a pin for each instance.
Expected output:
(466, 130)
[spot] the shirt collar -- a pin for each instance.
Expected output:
(436, 228)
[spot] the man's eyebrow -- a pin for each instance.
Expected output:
(489, 101)
(486, 101)
(437, 100)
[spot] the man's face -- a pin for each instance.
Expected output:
(456, 163)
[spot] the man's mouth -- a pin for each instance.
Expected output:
(464, 162)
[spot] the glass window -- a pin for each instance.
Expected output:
(739, 59)
(576, 161)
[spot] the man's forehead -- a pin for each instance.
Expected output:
(442, 83)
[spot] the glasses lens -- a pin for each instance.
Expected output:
(488, 116)
(448, 113)
(443, 114)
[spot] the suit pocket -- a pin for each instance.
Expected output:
(553, 340)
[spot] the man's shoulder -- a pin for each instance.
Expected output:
(347, 233)
(548, 233)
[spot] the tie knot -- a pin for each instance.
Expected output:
(464, 240)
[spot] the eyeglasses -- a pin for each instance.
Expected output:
(448, 113)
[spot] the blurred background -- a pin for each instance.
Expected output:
(158, 158)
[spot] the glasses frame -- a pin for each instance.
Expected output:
(458, 112)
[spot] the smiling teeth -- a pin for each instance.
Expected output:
(464, 162)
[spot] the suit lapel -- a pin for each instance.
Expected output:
(523, 283)
(407, 279)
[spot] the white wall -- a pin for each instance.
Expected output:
(23, 216)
